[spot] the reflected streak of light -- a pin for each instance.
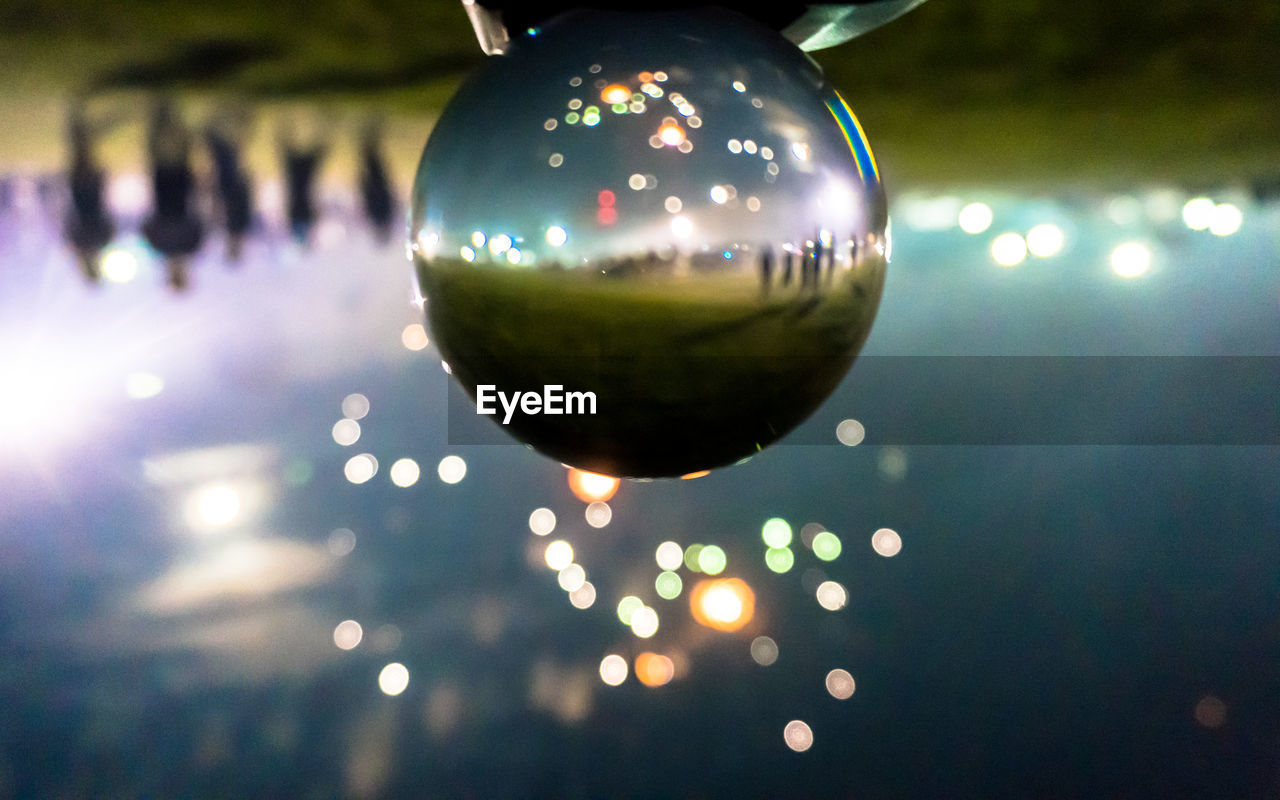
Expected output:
(558, 555)
(840, 684)
(798, 736)
(414, 337)
(346, 431)
(542, 521)
(764, 651)
(726, 604)
(886, 542)
(347, 634)
(452, 469)
(393, 679)
(592, 487)
(613, 669)
(405, 472)
(1131, 260)
(653, 669)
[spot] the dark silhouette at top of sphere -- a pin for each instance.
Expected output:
(301, 165)
(88, 227)
(225, 137)
(375, 183)
(174, 229)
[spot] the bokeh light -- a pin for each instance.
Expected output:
(840, 684)
(826, 546)
(452, 469)
(668, 585)
(572, 577)
(1211, 711)
(360, 468)
(1131, 260)
(886, 542)
(393, 679)
(726, 604)
(218, 505)
(975, 218)
(542, 521)
(342, 541)
(776, 533)
(850, 432)
(1225, 219)
(779, 559)
(653, 669)
(627, 607)
(764, 651)
(347, 634)
(613, 669)
(1009, 249)
(832, 596)
(598, 514)
(712, 560)
(592, 487)
(798, 736)
(143, 385)
(414, 336)
(584, 596)
(346, 432)
(669, 556)
(558, 555)
(1197, 213)
(644, 623)
(1045, 240)
(405, 472)
(118, 265)
(355, 406)
(691, 554)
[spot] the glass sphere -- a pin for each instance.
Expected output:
(673, 211)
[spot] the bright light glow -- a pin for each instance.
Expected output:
(850, 432)
(557, 236)
(1225, 220)
(1197, 213)
(393, 679)
(556, 159)
(886, 542)
(826, 545)
(615, 93)
(660, 76)
(798, 149)
(478, 238)
(467, 253)
(119, 266)
(776, 532)
(355, 406)
(764, 651)
(218, 505)
(636, 181)
(405, 472)
(671, 134)
(653, 669)
(414, 336)
(452, 469)
(719, 195)
(584, 596)
(1009, 249)
(599, 514)
(975, 218)
(347, 634)
(668, 585)
(542, 521)
(644, 623)
(726, 604)
(559, 554)
(734, 146)
(590, 486)
(143, 385)
(681, 226)
(1131, 260)
(1045, 240)
(832, 596)
(840, 684)
(669, 556)
(346, 432)
(359, 469)
(798, 736)
(739, 86)
(702, 473)
(499, 244)
(572, 577)
(749, 146)
(672, 204)
(627, 608)
(514, 255)
(753, 203)
(779, 559)
(613, 669)
(712, 560)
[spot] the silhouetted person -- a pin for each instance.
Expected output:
(225, 136)
(818, 252)
(766, 269)
(375, 186)
(300, 167)
(173, 229)
(88, 226)
(789, 265)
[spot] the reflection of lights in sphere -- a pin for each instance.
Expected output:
(726, 605)
(592, 488)
(605, 235)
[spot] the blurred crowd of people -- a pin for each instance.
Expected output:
(175, 228)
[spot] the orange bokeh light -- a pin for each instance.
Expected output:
(654, 670)
(726, 604)
(671, 134)
(693, 475)
(590, 487)
(615, 93)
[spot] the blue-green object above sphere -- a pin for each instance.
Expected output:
(672, 211)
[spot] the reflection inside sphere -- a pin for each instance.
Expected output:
(673, 211)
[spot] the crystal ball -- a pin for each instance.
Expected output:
(671, 214)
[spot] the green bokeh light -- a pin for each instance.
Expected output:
(779, 559)
(776, 533)
(691, 554)
(668, 585)
(572, 118)
(619, 108)
(826, 546)
(627, 607)
(712, 560)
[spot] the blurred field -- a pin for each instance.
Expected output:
(1016, 92)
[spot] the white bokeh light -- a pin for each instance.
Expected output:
(393, 679)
